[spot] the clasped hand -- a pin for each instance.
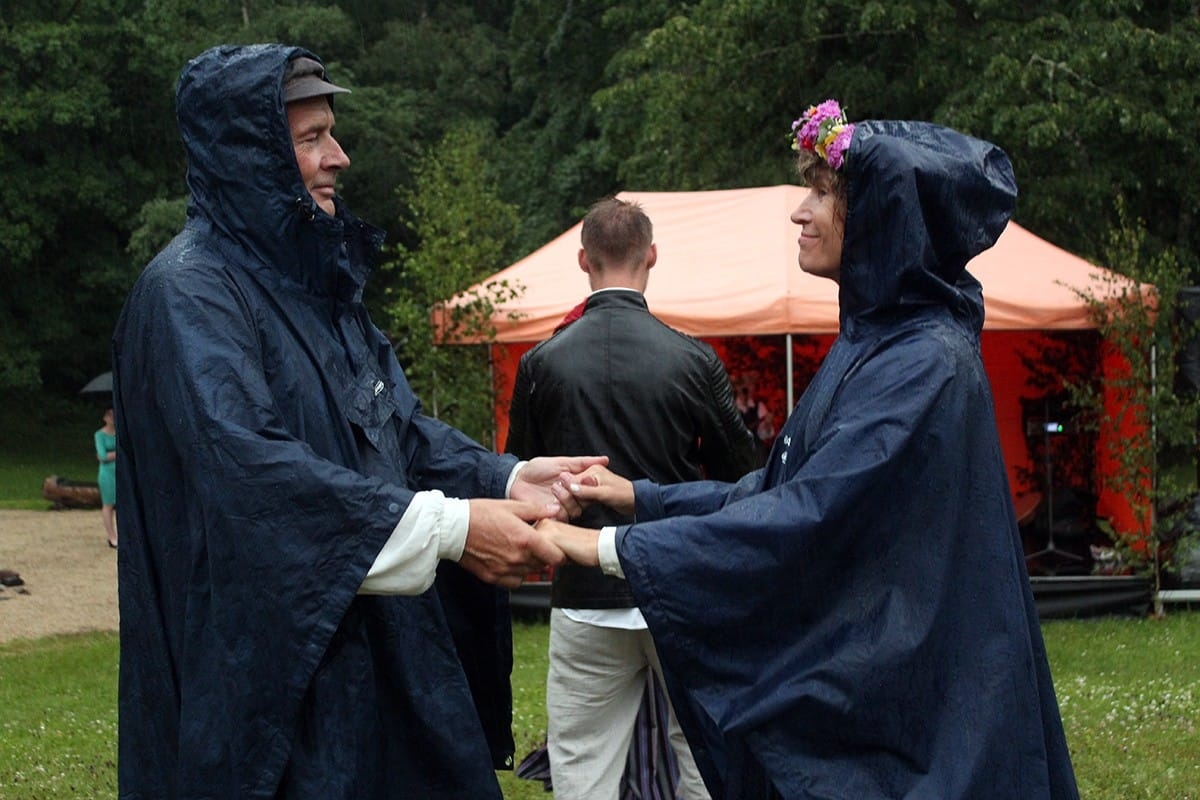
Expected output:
(597, 484)
(501, 547)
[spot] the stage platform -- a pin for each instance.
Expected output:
(1057, 597)
(1089, 595)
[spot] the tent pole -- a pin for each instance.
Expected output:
(787, 339)
(1158, 603)
(492, 392)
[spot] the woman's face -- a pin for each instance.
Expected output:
(822, 220)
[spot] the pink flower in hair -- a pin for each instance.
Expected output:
(823, 129)
(835, 153)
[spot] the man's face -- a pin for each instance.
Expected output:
(318, 154)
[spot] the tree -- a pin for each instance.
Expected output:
(1095, 102)
(1145, 418)
(553, 161)
(85, 133)
(157, 224)
(1089, 99)
(585, 98)
(89, 139)
(465, 234)
(705, 101)
(430, 68)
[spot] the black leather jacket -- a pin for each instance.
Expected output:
(618, 382)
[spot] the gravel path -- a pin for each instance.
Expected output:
(70, 574)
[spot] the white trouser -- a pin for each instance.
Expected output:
(593, 692)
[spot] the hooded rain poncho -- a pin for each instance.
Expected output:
(270, 445)
(855, 620)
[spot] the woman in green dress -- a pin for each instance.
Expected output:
(106, 454)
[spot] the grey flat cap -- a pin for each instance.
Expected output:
(305, 78)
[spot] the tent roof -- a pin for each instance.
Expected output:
(727, 266)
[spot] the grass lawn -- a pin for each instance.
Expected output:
(58, 735)
(1129, 691)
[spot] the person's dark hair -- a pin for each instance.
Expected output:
(616, 232)
(815, 171)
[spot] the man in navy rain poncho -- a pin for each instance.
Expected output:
(285, 505)
(855, 620)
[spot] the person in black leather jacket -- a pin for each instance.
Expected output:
(659, 403)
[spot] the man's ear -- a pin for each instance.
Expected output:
(651, 256)
(584, 264)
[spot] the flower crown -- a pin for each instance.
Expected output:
(823, 129)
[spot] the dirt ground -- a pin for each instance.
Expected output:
(69, 570)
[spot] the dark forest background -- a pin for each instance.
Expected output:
(479, 130)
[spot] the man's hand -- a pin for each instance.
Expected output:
(502, 547)
(536, 479)
(579, 544)
(597, 484)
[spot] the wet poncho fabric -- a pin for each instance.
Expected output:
(855, 620)
(270, 444)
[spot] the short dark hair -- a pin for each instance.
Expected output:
(616, 232)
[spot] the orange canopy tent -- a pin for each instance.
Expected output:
(727, 268)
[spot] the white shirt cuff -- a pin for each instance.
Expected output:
(433, 527)
(512, 478)
(607, 545)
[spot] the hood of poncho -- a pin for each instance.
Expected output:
(922, 201)
(242, 169)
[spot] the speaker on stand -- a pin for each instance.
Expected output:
(1049, 428)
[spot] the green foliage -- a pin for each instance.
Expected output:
(381, 129)
(585, 98)
(1136, 401)
(323, 29)
(465, 232)
(1087, 98)
(553, 159)
(1094, 101)
(425, 74)
(89, 140)
(18, 357)
(705, 100)
(76, 90)
(157, 223)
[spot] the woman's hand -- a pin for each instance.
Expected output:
(579, 544)
(537, 482)
(597, 484)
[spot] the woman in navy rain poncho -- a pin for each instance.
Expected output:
(271, 445)
(855, 620)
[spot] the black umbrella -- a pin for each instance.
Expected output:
(101, 384)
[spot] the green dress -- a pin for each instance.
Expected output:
(107, 476)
